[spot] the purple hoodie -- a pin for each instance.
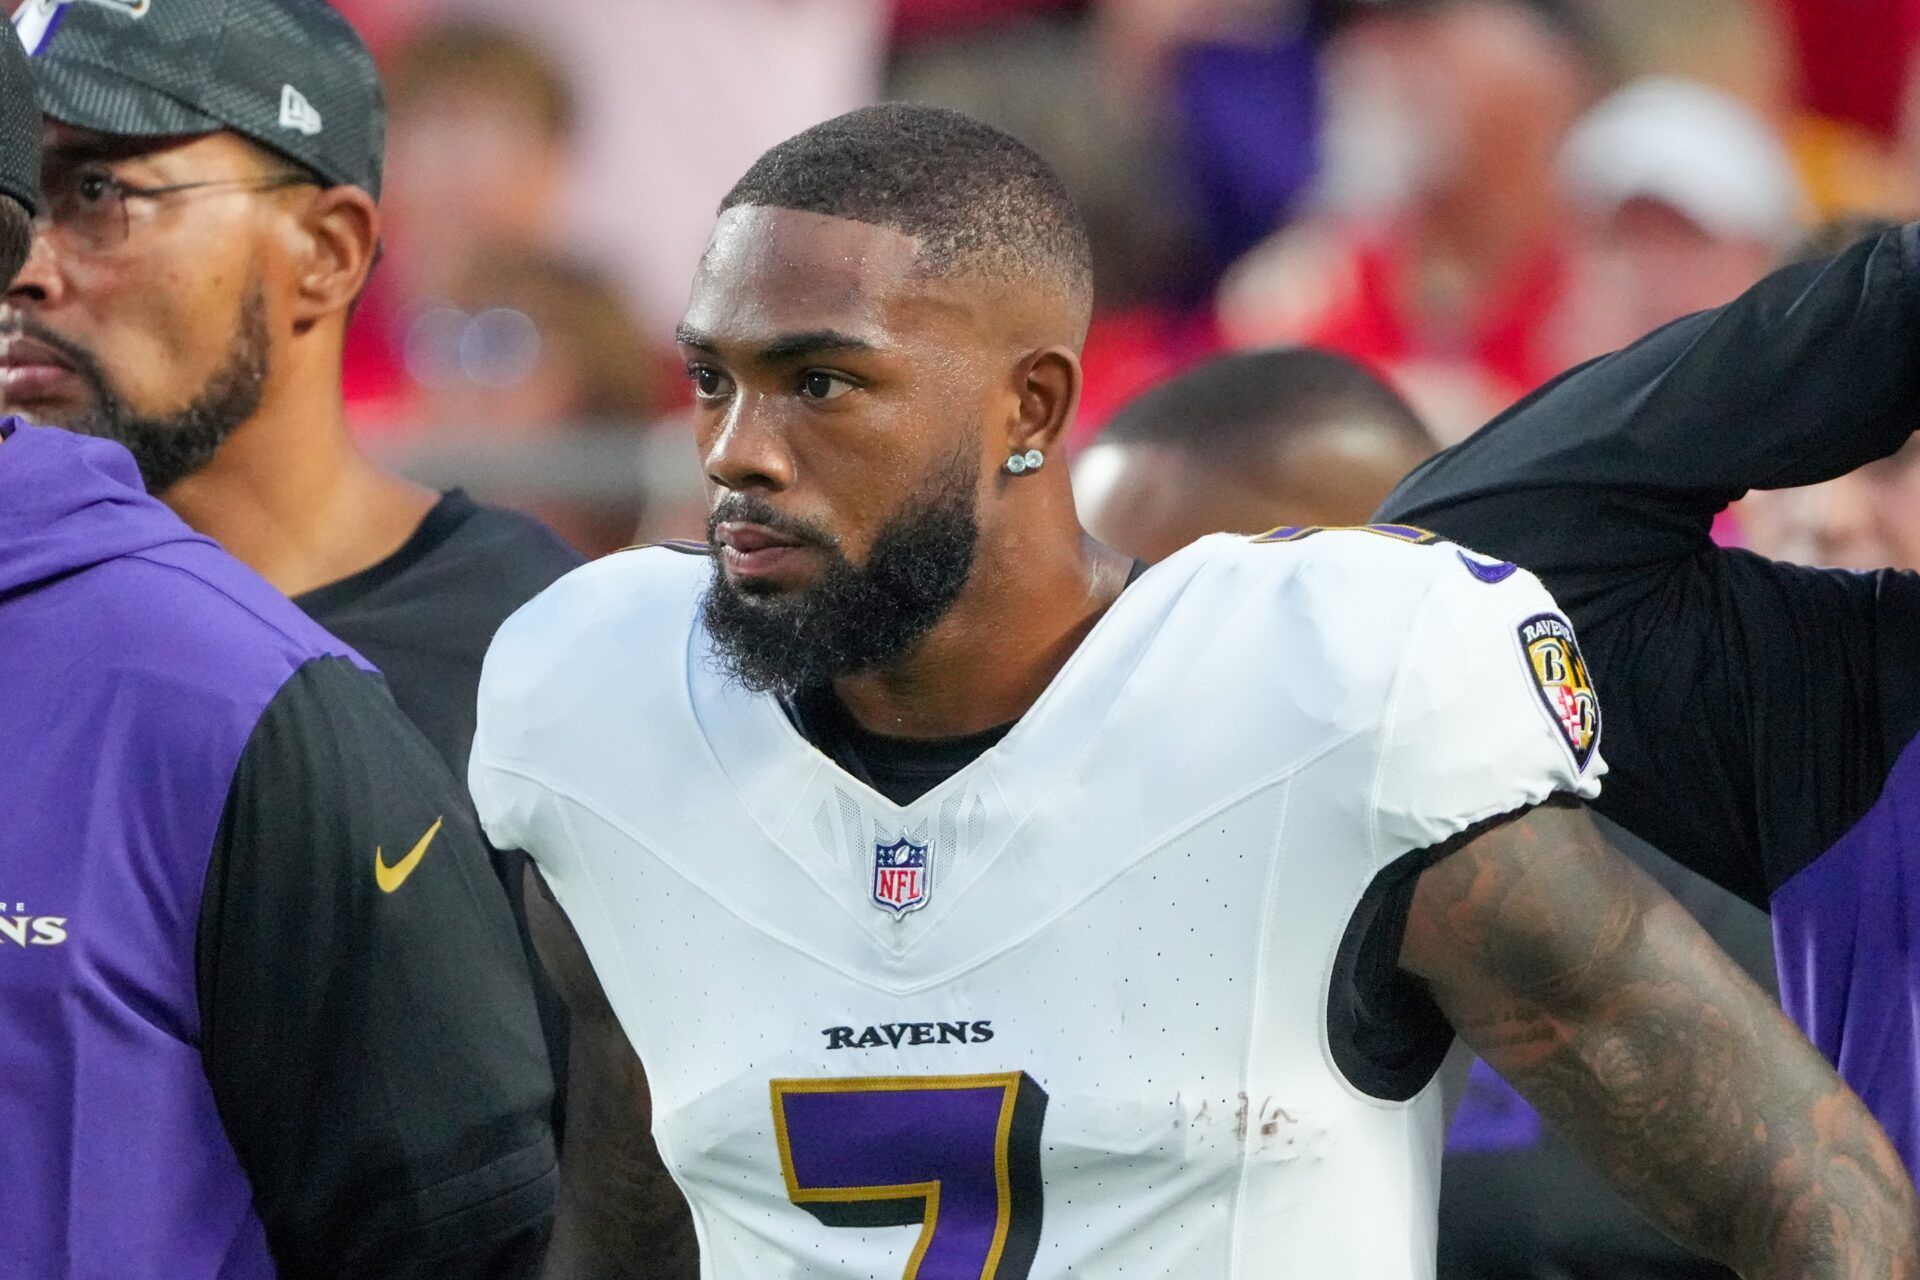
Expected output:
(135, 660)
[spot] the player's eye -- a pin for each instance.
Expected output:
(817, 384)
(708, 382)
(92, 187)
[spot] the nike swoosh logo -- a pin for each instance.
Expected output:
(392, 877)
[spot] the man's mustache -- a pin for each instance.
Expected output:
(751, 509)
(16, 325)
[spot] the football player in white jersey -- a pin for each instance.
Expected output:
(942, 895)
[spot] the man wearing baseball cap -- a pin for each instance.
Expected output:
(212, 172)
(263, 1012)
(19, 159)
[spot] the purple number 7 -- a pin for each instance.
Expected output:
(960, 1155)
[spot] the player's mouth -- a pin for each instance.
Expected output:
(753, 552)
(32, 372)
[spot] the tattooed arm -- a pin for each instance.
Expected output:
(1599, 998)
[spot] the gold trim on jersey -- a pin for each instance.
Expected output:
(1398, 532)
(1008, 1082)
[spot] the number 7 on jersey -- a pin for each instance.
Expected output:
(959, 1155)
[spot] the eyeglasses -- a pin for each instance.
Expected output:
(88, 206)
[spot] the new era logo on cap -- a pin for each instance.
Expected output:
(297, 113)
(291, 75)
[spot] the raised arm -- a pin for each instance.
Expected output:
(1754, 708)
(1622, 463)
(1598, 997)
(621, 1216)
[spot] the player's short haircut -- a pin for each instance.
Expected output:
(16, 237)
(1250, 399)
(977, 199)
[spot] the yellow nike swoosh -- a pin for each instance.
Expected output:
(392, 877)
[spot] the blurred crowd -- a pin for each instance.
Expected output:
(1465, 196)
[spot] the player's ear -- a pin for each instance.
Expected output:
(1048, 388)
(339, 234)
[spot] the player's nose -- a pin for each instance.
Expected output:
(39, 280)
(749, 451)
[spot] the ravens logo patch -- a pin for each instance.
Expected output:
(1560, 678)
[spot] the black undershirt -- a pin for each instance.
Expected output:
(901, 769)
(1388, 1035)
(426, 614)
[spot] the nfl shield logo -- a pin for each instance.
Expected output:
(900, 876)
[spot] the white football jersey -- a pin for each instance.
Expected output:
(1066, 1014)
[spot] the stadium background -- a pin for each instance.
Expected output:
(1468, 195)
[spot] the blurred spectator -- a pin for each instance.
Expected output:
(480, 137)
(677, 98)
(482, 126)
(1768, 54)
(1834, 525)
(1867, 520)
(1246, 442)
(1740, 47)
(1258, 439)
(529, 351)
(1442, 252)
(533, 343)
(1685, 198)
(1041, 81)
(1236, 86)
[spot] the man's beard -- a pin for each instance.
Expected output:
(854, 618)
(171, 448)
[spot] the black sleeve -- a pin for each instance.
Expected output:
(1753, 708)
(1384, 1028)
(368, 1026)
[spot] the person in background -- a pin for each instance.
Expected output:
(675, 98)
(262, 1012)
(1042, 79)
(1448, 115)
(480, 154)
(539, 358)
(1243, 443)
(1684, 198)
(1865, 520)
(1763, 716)
(211, 219)
(483, 128)
(882, 343)
(1301, 437)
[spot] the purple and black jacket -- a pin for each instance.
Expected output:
(225, 1049)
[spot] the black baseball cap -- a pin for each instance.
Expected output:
(19, 126)
(291, 75)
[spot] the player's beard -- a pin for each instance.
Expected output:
(170, 448)
(856, 617)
